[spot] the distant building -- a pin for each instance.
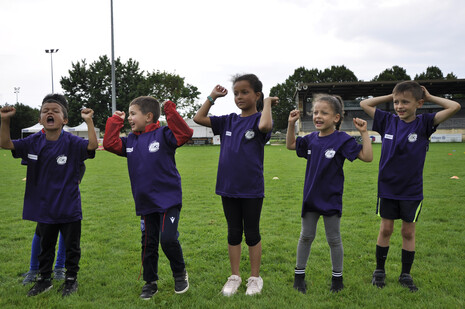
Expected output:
(202, 135)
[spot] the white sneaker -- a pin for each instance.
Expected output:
(254, 285)
(231, 286)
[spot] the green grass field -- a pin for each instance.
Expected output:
(110, 243)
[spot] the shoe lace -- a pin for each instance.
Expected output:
(252, 282)
(231, 282)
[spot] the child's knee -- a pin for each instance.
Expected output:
(234, 236)
(408, 234)
(306, 238)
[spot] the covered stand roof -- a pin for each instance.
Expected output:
(353, 90)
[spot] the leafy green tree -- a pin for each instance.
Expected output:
(337, 74)
(90, 86)
(451, 76)
(171, 86)
(286, 91)
(25, 117)
(432, 72)
(396, 73)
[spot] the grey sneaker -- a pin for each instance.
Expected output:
(59, 274)
(181, 283)
(379, 277)
(42, 285)
(30, 276)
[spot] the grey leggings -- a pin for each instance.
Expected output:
(333, 236)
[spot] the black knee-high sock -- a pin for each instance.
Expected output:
(407, 261)
(381, 256)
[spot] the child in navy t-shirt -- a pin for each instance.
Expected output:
(155, 182)
(52, 197)
(240, 172)
(405, 140)
(325, 151)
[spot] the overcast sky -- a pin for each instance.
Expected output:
(208, 41)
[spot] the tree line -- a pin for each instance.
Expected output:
(89, 85)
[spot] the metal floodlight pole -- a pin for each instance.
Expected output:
(51, 52)
(113, 79)
(17, 92)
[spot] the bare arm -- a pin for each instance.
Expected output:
(266, 121)
(201, 117)
(5, 138)
(366, 154)
(290, 135)
(450, 107)
(369, 105)
(87, 114)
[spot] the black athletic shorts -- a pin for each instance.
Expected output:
(408, 211)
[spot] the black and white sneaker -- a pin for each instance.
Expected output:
(379, 278)
(181, 283)
(148, 290)
(42, 285)
(406, 280)
(70, 286)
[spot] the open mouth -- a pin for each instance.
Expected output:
(50, 120)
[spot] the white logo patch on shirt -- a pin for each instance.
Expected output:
(309, 152)
(61, 160)
(388, 136)
(228, 133)
(32, 156)
(128, 150)
(412, 137)
(249, 134)
(329, 153)
(172, 219)
(154, 146)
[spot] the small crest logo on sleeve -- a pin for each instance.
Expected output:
(329, 153)
(412, 137)
(249, 134)
(61, 160)
(154, 146)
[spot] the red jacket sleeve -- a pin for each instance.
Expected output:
(182, 132)
(111, 140)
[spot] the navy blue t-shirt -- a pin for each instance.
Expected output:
(240, 167)
(324, 175)
(155, 180)
(53, 173)
(403, 154)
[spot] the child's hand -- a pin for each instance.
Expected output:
(218, 91)
(360, 124)
(426, 95)
(7, 112)
(271, 100)
(120, 114)
(87, 114)
(294, 116)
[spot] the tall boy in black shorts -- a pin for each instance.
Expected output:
(405, 138)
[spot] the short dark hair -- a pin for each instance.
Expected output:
(409, 86)
(336, 103)
(256, 85)
(147, 105)
(59, 99)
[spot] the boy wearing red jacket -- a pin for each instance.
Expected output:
(155, 182)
